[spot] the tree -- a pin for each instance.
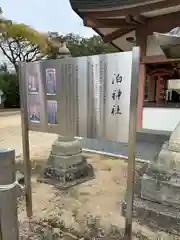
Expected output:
(79, 46)
(1, 21)
(88, 46)
(10, 87)
(19, 42)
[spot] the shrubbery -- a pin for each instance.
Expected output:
(10, 87)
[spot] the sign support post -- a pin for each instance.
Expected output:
(25, 139)
(132, 140)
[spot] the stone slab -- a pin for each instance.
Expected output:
(155, 215)
(147, 145)
(164, 192)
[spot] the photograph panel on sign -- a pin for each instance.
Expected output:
(34, 109)
(52, 111)
(51, 81)
(33, 84)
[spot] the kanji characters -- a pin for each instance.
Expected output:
(117, 78)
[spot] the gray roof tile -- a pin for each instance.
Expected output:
(89, 4)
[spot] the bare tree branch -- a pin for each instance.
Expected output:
(13, 59)
(18, 49)
(31, 51)
(33, 56)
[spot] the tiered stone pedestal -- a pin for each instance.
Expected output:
(157, 188)
(66, 165)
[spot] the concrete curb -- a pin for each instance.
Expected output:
(140, 160)
(2, 114)
(114, 155)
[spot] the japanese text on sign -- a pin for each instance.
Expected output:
(116, 94)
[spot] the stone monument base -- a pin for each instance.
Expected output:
(153, 200)
(67, 177)
(155, 215)
(164, 192)
(66, 165)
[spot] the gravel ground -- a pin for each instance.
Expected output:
(99, 198)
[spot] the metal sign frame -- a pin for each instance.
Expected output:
(132, 139)
(25, 139)
(89, 96)
(131, 142)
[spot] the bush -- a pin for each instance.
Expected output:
(10, 87)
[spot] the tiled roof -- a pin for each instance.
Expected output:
(89, 4)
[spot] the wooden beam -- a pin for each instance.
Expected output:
(136, 19)
(158, 59)
(107, 23)
(140, 19)
(129, 19)
(163, 23)
(141, 39)
(116, 34)
(130, 10)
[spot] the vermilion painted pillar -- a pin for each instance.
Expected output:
(141, 40)
(141, 86)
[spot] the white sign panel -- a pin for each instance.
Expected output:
(86, 96)
(117, 96)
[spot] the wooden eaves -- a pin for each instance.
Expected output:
(125, 19)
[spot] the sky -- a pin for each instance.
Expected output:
(45, 15)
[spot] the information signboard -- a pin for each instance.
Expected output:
(85, 96)
(92, 97)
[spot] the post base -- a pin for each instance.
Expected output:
(66, 165)
(63, 178)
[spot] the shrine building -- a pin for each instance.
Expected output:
(125, 23)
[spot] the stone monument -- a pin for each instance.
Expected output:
(66, 165)
(157, 187)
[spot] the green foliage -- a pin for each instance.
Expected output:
(9, 86)
(88, 46)
(79, 46)
(22, 32)
(20, 42)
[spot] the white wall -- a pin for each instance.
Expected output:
(153, 48)
(163, 119)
